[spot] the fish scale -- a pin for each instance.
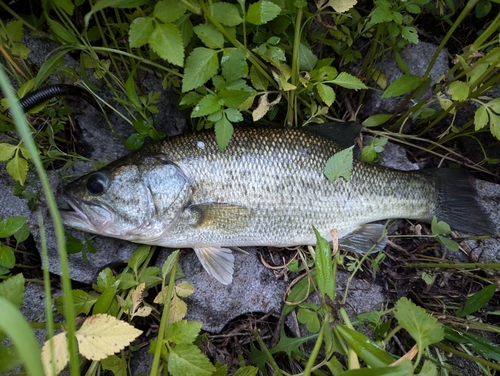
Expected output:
(267, 188)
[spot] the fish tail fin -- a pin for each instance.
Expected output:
(457, 203)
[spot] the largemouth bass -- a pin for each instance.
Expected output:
(267, 188)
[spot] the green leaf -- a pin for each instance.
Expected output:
(15, 30)
(150, 276)
(234, 65)
(310, 319)
(49, 67)
(402, 85)
(349, 81)
(247, 371)
(474, 342)
(262, 12)
(12, 289)
(233, 98)
(405, 368)
(169, 10)
(227, 14)
(114, 364)
(61, 33)
(140, 31)
(364, 347)
(191, 98)
(187, 360)
(376, 120)
(424, 328)
(223, 132)
(183, 332)
(477, 301)
(18, 168)
(201, 64)
(209, 35)
(259, 82)
(10, 359)
(135, 141)
(410, 34)
(451, 244)
(324, 266)
(340, 165)
(307, 60)
(6, 151)
(168, 264)
(326, 93)
(7, 257)
(428, 369)
(166, 41)
(439, 227)
(138, 257)
(233, 115)
(100, 5)
(10, 226)
(207, 105)
(103, 303)
(412, 8)
(483, 8)
(82, 302)
(290, 345)
(459, 90)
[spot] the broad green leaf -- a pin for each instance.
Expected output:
(15, 30)
(209, 35)
(233, 115)
(326, 93)
(459, 90)
(201, 65)
(138, 257)
(247, 371)
(428, 369)
(82, 301)
(341, 6)
(310, 319)
(381, 14)
(234, 65)
(6, 151)
(439, 227)
(169, 10)
(477, 301)
(7, 257)
(131, 92)
(307, 59)
(184, 289)
(259, 82)
(49, 67)
(207, 105)
(17, 167)
(495, 125)
(187, 360)
(233, 98)
(483, 8)
(324, 266)
(103, 303)
(262, 12)
(10, 226)
(402, 85)
(227, 14)
(424, 328)
(191, 98)
(410, 34)
(340, 165)
(115, 364)
(169, 263)
(364, 347)
(412, 8)
(349, 81)
(166, 41)
(223, 132)
(12, 289)
(451, 244)
(327, 73)
(135, 141)
(22, 234)
(10, 359)
(140, 31)
(149, 276)
(61, 33)
(183, 332)
(376, 120)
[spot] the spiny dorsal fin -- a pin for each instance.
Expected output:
(218, 262)
(221, 216)
(343, 133)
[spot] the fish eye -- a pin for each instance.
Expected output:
(97, 183)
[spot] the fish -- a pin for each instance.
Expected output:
(266, 188)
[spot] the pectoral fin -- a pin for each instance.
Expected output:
(364, 238)
(221, 216)
(218, 262)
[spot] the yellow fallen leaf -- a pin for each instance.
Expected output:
(61, 354)
(177, 310)
(261, 108)
(103, 335)
(143, 311)
(341, 6)
(184, 289)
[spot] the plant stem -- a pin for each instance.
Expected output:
(292, 113)
(317, 347)
(269, 357)
(450, 265)
(164, 319)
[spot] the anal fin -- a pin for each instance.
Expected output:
(369, 236)
(218, 262)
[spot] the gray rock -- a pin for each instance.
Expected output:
(417, 58)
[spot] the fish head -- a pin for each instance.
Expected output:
(136, 200)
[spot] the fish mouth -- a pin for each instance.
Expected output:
(75, 216)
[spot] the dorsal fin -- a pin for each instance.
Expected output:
(343, 133)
